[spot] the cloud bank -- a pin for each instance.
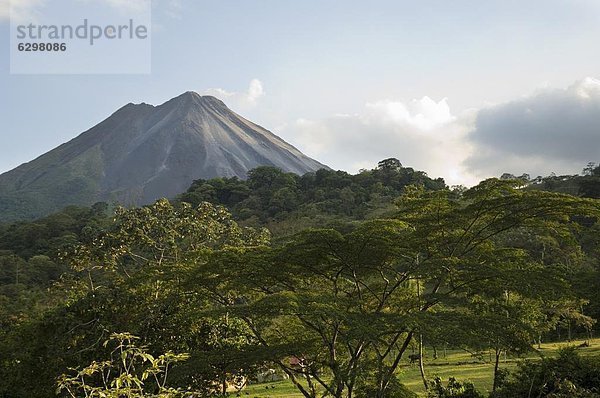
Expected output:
(423, 134)
(551, 130)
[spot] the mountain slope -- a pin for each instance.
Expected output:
(144, 152)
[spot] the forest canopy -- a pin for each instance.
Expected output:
(352, 273)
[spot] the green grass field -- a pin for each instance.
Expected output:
(458, 364)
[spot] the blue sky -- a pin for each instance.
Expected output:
(349, 82)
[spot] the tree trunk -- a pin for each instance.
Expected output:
(496, 363)
(389, 373)
(421, 366)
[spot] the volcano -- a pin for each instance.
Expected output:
(143, 152)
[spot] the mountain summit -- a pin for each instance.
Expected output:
(143, 152)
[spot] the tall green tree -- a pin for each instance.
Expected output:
(349, 305)
(131, 277)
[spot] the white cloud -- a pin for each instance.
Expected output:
(30, 10)
(4, 9)
(244, 99)
(423, 134)
(123, 6)
(552, 130)
(424, 114)
(174, 9)
(22, 10)
(255, 90)
(128, 5)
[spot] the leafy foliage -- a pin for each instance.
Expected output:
(131, 372)
(349, 304)
(568, 375)
(453, 389)
(362, 268)
(286, 201)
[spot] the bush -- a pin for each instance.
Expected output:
(567, 376)
(454, 389)
(394, 390)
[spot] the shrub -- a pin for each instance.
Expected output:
(454, 389)
(567, 376)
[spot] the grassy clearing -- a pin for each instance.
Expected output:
(458, 364)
